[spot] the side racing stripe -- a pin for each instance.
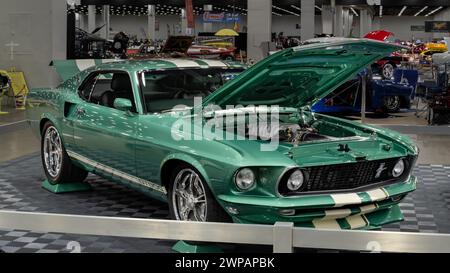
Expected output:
(117, 173)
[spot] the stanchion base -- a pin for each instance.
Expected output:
(183, 247)
(65, 187)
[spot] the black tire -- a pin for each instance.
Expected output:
(68, 172)
(214, 212)
(391, 104)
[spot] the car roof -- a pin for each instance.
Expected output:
(169, 63)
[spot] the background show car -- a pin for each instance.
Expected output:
(117, 120)
(386, 96)
(386, 66)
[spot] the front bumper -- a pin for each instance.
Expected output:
(360, 210)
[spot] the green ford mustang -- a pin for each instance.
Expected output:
(136, 123)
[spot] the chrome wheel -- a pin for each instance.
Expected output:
(53, 153)
(388, 71)
(189, 197)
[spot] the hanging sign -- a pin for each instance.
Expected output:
(437, 26)
(220, 17)
(190, 14)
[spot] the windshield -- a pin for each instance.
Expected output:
(163, 90)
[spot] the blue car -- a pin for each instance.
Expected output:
(385, 96)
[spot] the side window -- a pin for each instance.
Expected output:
(87, 86)
(103, 88)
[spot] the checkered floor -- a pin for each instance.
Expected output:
(426, 210)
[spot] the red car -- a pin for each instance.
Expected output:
(386, 65)
(211, 52)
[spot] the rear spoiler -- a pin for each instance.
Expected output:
(66, 69)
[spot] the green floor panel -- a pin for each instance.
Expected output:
(183, 247)
(65, 187)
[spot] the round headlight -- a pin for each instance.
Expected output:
(295, 181)
(398, 168)
(245, 179)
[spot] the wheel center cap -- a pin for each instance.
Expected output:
(190, 202)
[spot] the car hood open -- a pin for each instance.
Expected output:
(301, 76)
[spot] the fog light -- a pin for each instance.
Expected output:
(287, 212)
(398, 169)
(232, 210)
(295, 181)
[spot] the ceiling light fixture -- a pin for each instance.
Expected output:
(319, 8)
(381, 11)
(354, 11)
(285, 10)
(401, 11)
(420, 11)
(295, 7)
(433, 11)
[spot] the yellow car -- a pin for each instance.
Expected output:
(218, 43)
(436, 47)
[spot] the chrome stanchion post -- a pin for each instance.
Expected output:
(282, 237)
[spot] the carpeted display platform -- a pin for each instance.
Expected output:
(426, 210)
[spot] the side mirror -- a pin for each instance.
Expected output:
(123, 104)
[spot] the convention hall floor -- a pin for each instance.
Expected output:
(426, 210)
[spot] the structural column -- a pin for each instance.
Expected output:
(106, 20)
(184, 22)
(259, 26)
(345, 22)
(365, 22)
(307, 19)
(207, 26)
(91, 18)
(339, 22)
(58, 35)
(327, 20)
(151, 22)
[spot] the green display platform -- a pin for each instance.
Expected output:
(65, 187)
(183, 247)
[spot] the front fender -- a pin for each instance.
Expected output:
(189, 160)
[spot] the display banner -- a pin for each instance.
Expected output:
(190, 14)
(437, 26)
(220, 17)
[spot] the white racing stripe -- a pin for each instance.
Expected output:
(342, 199)
(183, 63)
(337, 213)
(377, 194)
(368, 208)
(84, 64)
(326, 224)
(356, 221)
(105, 61)
(214, 63)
